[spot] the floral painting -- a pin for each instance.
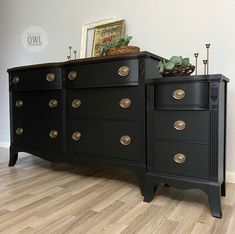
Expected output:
(106, 32)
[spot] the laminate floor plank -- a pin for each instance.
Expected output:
(41, 197)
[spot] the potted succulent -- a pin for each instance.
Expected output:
(176, 66)
(109, 46)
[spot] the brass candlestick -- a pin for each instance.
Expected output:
(75, 54)
(205, 63)
(68, 57)
(70, 52)
(196, 56)
(207, 48)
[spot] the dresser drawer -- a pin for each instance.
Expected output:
(182, 125)
(182, 96)
(40, 104)
(112, 73)
(44, 134)
(115, 103)
(107, 138)
(183, 159)
(40, 79)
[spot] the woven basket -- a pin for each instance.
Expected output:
(179, 70)
(122, 50)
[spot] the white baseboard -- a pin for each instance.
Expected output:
(230, 177)
(4, 144)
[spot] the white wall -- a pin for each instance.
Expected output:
(162, 27)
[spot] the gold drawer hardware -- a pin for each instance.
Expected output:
(76, 136)
(53, 134)
(123, 71)
(72, 75)
(50, 77)
(179, 158)
(19, 103)
(178, 94)
(53, 103)
(179, 125)
(125, 103)
(125, 140)
(15, 79)
(19, 131)
(76, 103)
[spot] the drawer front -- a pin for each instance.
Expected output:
(115, 103)
(41, 104)
(102, 74)
(40, 79)
(107, 138)
(190, 160)
(37, 134)
(182, 96)
(182, 125)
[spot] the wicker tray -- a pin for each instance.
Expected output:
(179, 70)
(123, 50)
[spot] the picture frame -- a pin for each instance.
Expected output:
(114, 29)
(86, 30)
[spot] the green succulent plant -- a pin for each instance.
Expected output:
(170, 64)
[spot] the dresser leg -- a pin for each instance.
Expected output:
(150, 189)
(13, 157)
(214, 193)
(223, 189)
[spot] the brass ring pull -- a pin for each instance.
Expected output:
(179, 125)
(53, 103)
(179, 158)
(19, 103)
(125, 140)
(50, 77)
(125, 103)
(123, 71)
(72, 75)
(76, 103)
(19, 131)
(15, 80)
(178, 94)
(76, 136)
(53, 134)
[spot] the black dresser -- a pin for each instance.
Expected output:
(118, 111)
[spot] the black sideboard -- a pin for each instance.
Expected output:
(118, 111)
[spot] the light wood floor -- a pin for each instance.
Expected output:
(37, 196)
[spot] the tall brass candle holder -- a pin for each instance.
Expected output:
(207, 48)
(70, 52)
(68, 57)
(196, 57)
(75, 54)
(205, 66)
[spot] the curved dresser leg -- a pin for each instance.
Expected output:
(13, 157)
(141, 175)
(223, 189)
(214, 193)
(150, 188)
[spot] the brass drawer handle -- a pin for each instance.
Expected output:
(123, 71)
(178, 94)
(53, 103)
(19, 103)
(76, 136)
(179, 125)
(72, 75)
(19, 131)
(179, 158)
(53, 134)
(125, 103)
(76, 103)
(125, 140)
(15, 80)
(50, 77)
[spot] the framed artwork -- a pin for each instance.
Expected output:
(88, 35)
(114, 29)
